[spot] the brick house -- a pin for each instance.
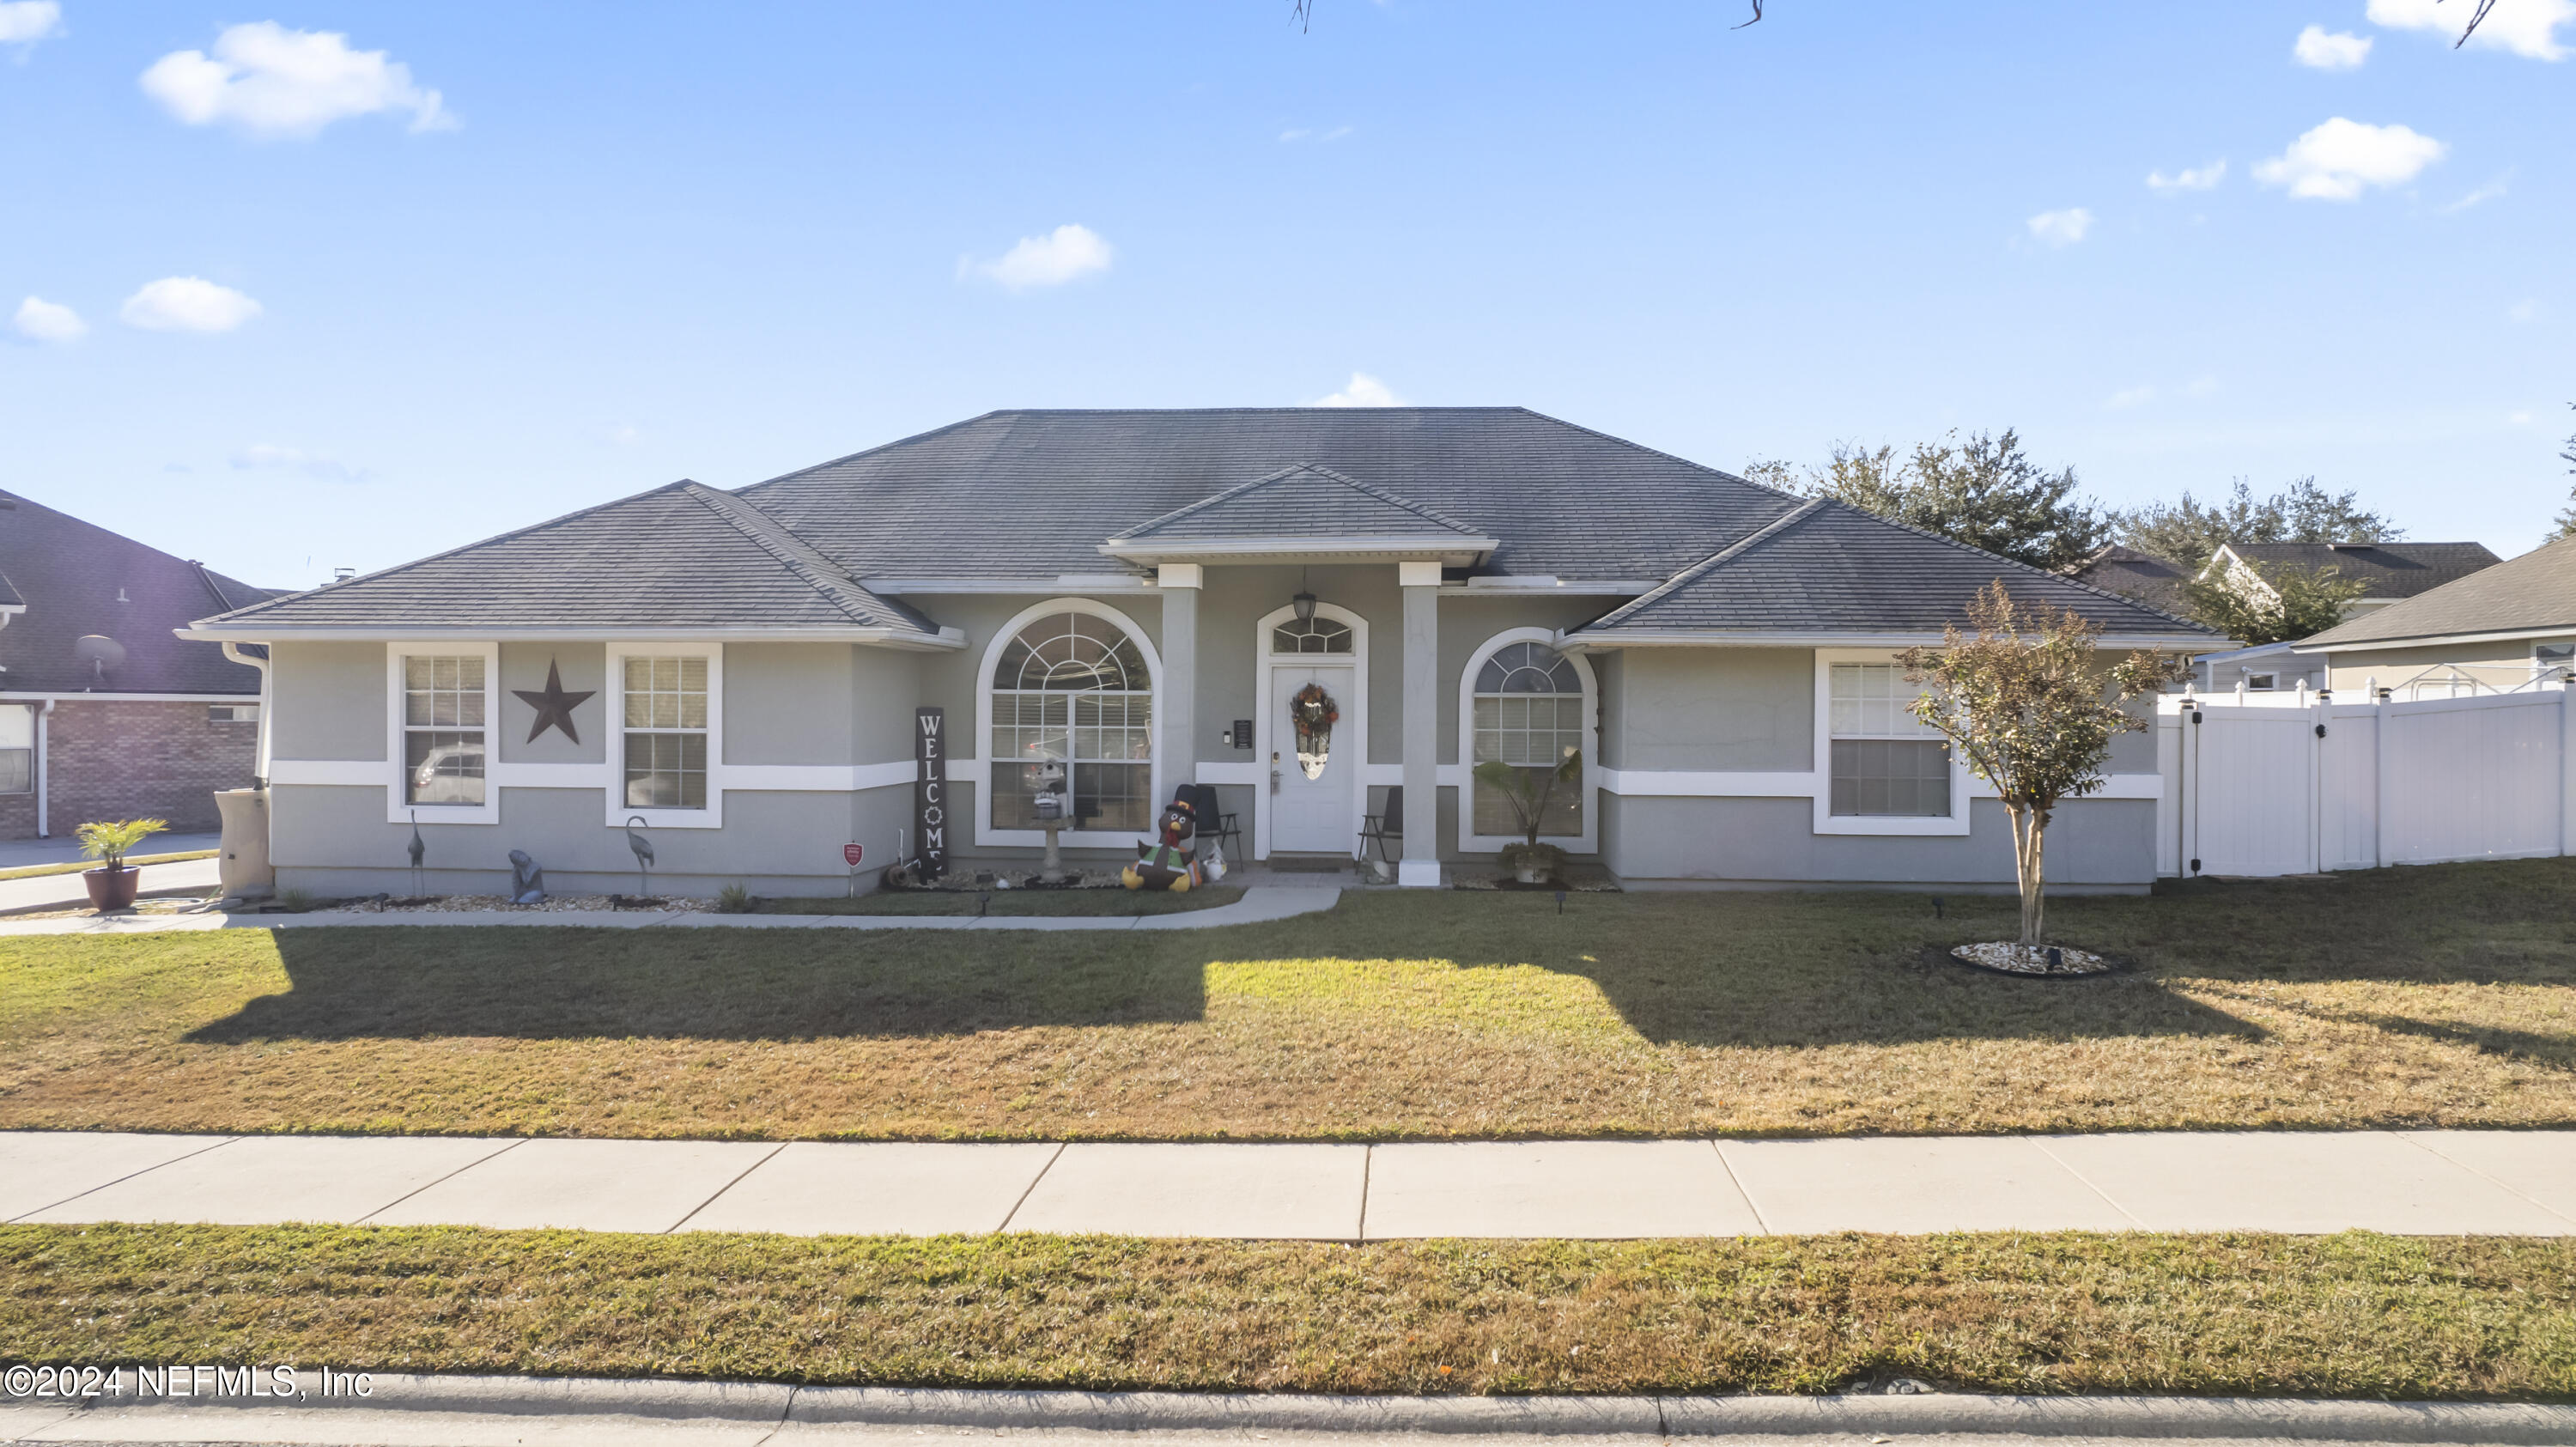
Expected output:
(104, 714)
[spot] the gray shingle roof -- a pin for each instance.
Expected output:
(77, 578)
(1032, 494)
(2534, 592)
(681, 556)
(2387, 570)
(2133, 574)
(1303, 501)
(1828, 568)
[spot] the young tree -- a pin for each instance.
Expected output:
(2300, 602)
(2567, 516)
(1983, 492)
(2026, 702)
(2187, 532)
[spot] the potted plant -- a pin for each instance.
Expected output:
(1528, 788)
(111, 885)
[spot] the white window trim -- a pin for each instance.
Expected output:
(397, 809)
(1829, 822)
(1354, 718)
(613, 766)
(982, 765)
(1469, 842)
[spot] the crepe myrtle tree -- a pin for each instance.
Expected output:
(2026, 702)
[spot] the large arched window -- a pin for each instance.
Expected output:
(1072, 689)
(1529, 713)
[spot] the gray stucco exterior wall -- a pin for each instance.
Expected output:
(328, 700)
(2095, 845)
(1750, 710)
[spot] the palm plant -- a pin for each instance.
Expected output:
(1527, 788)
(109, 843)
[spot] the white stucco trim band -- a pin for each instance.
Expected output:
(1720, 784)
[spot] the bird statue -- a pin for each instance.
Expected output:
(418, 850)
(643, 848)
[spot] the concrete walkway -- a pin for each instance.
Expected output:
(2405, 1182)
(1258, 904)
(66, 891)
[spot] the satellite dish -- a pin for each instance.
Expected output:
(100, 652)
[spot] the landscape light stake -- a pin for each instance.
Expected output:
(1560, 901)
(983, 904)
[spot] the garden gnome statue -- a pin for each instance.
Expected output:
(1049, 806)
(527, 880)
(1170, 863)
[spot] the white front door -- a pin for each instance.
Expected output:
(1310, 811)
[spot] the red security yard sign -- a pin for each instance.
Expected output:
(850, 855)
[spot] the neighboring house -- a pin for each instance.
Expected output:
(2389, 572)
(1144, 596)
(103, 713)
(2509, 626)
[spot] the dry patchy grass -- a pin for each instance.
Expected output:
(2431, 996)
(2341, 1316)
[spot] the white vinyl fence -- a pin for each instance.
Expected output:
(2299, 783)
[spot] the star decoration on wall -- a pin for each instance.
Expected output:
(553, 705)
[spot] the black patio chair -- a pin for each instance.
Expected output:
(1213, 822)
(1379, 828)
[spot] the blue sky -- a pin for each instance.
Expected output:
(623, 244)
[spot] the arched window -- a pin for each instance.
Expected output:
(1528, 713)
(1072, 689)
(1318, 634)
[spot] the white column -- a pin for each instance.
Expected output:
(1421, 865)
(1176, 713)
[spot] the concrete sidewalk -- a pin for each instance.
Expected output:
(1258, 904)
(2404, 1182)
(66, 891)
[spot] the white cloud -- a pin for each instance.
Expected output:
(24, 22)
(46, 321)
(272, 81)
(2337, 161)
(2189, 178)
(1362, 390)
(2487, 192)
(2330, 49)
(2133, 397)
(1061, 255)
(296, 459)
(2525, 27)
(187, 304)
(2061, 228)
(2524, 311)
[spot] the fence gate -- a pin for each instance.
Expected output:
(2295, 783)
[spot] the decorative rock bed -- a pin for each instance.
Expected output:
(2054, 962)
(552, 904)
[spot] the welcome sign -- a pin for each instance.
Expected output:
(930, 790)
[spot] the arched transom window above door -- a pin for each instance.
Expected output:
(1529, 713)
(1072, 689)
(1318, 634)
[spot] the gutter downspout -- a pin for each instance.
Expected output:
(260, 755)
(44, 724)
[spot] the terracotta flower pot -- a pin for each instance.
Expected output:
(112, 888)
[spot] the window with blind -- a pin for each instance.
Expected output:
(443, 752)
(666, 733)
(1886, 762)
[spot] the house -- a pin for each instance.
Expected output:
(2389, 573)
(104, 714)
(751, 679)
(2505, 627)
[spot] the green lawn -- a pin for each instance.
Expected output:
(2430, 996)
(2340, 1316)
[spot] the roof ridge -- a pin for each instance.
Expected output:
(1215, 499)
(499, 537)
(1713, 561)
(807, 562)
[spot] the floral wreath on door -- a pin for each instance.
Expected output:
(1314, 713)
